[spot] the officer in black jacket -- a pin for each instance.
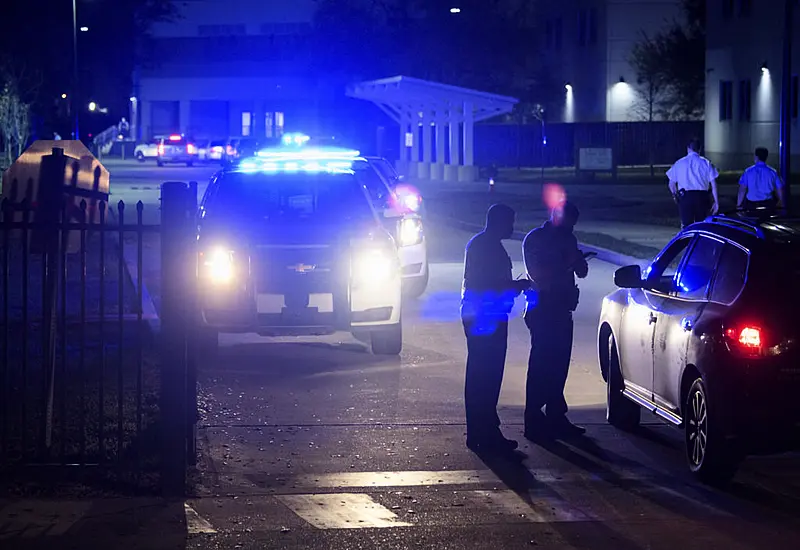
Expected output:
(552, 260)
(488, 295)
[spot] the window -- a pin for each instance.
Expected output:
(559, 33)
(745, 8)
(373, 183)
(593, 26)
(279, 123)
(269, 123)
(247, 123)
(731, 275)
(727, 8)
(549, 36)
(695, 275)
(745, 100)
(725, 100)
(660, 276)
(582, 27)
(795, 98)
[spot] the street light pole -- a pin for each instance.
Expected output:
(786, 100)
(75, 94)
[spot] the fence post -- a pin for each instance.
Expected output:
(51, 184)
(174, 319)
(191, 295)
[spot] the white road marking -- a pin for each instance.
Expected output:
(342, 511)
(445, 477)
(536, 509)
(34, 518)
(396, 479)
(195, 524)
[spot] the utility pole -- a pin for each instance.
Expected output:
(76, 106)
(786, 100)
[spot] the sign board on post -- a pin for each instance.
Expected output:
(595, 159)
(72, 174)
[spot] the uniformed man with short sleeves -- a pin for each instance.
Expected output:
(693, 184)
(760, 185)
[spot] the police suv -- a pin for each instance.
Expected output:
(399, 205)
(292, 245)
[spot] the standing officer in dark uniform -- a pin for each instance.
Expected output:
(488, 295)
(552, 259)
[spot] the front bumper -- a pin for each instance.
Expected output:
(414, 260)
(278, 300)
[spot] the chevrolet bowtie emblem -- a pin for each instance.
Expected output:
(302, 268)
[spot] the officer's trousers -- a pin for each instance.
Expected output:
(548, 366)
(487, 343)
(694, 206)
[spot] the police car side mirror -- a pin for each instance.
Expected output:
(629, 276)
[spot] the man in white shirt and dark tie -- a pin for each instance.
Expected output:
(693, 184)
(760, 184)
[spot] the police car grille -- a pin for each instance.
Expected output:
(305, 269)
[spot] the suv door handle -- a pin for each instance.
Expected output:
(653, 318)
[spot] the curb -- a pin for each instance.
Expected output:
(603, 254)
(149, 313)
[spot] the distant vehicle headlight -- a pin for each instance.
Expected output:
(217, 265)
(410, 232)
(373, 267)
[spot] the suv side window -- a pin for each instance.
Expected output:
(660, 276)
(373, 182)
(731, 275)
(695, 276)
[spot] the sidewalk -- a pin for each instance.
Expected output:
(604, 213)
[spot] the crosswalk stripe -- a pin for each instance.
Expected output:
(342, 511)
(196, 525)
(396, 479)
(537, 509)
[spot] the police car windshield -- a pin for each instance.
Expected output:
(286, 198)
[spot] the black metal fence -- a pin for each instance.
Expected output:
(78, 382)
(634, 143)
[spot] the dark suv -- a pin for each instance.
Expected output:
(706, 338)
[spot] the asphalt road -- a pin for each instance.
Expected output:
(315, 443)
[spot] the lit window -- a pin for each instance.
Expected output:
(268, 125)
(247, 123)
(279, 120)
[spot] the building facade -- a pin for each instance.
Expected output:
(587, 46)
(233, 68)
(744, 53)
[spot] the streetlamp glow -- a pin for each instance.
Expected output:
(84, 29)
(455, 10)
(568, 87)
(92, 106)
(63, 96)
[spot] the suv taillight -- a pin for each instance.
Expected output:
(746, 339)
(160, 148)
(190, 149)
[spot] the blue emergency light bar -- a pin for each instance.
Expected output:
(288, 165)
(332, 153)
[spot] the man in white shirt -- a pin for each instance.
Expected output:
(690, 180)
(760, 184)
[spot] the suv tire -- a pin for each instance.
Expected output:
(711, 458)
(621, 412)
(387, 341)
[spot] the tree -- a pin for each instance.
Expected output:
(671, 66)
(15, 122)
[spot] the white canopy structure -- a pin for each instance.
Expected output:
(448, 112)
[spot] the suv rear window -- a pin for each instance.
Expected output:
(731, 275)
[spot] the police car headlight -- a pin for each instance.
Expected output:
(373, 267)
(217, 265)
(410, 232)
